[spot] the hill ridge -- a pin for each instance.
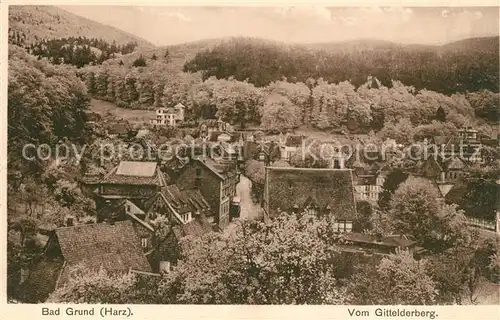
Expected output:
(37, 22)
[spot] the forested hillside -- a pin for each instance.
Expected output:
(47, 103)
(467, 65)
(31, 24)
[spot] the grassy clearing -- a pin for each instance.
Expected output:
(108, 111)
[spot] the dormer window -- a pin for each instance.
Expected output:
(144, 242)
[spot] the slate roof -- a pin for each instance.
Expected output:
(135, 173)
(179, 201)
(291, 188)
(117, 210)
(185, 200)
(119, 128)
(115, 247)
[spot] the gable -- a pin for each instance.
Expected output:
(431, 166)
(444, 188)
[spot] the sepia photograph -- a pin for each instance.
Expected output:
(252, 155)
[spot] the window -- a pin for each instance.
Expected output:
(348, 226)
(128, 208)
(144, 242)
(198, 171)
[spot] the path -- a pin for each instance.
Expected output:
(249, 209)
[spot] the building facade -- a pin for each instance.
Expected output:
(216, 181)
(134, 180)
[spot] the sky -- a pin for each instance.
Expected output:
(167, 25)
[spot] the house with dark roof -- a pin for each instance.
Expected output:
(119, 210)
(444, 173)
(465, 145)
(267, 152)
(216, 180)
(180, 206)
(328, 192)
(120, 129)
(131, 180)
(113, 246)
(186, 214)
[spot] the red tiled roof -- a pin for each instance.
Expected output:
(289, 188)
(115, 247)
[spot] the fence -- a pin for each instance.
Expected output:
(481, 223)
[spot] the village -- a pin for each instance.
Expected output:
(263, 156)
